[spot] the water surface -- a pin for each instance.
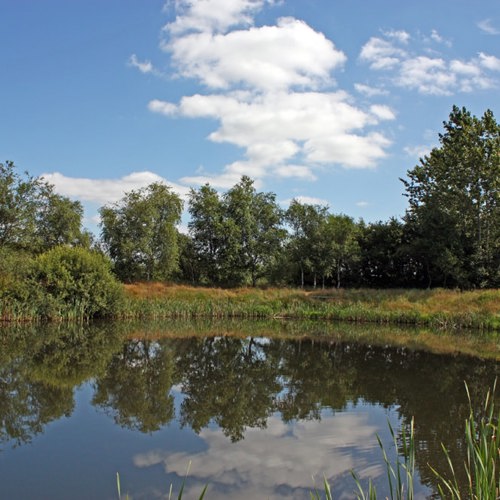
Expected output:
(256, 408)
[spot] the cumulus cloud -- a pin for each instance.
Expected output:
(434, 75)
(103, 191)
(382, 112)
(490, 62)
(269, 57)
(270, 89)
(381, 54)
(277, 129)
(292, 453)
(212, 15)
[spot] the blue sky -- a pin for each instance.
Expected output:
(325, 101)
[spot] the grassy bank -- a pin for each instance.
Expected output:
(439, 308)
(434, 308)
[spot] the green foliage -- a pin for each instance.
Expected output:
(33, 217)
(454, 204)
(305, 241)
(136, 387)
(140, 235)
(209, 232)
(74, 282)
(384, 259)
(237, 238)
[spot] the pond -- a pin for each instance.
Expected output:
(254, 409)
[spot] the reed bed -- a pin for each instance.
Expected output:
(444, 309)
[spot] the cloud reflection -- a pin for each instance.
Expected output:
(277, 462)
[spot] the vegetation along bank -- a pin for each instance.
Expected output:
(52, 268)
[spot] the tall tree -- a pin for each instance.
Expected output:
(140, 233)
(306, 222)
(236, 236)
(208, 229)
(454, 203)
(384, 260)
(59, 222)
(33, 217)
(341, 247)
(254, 229)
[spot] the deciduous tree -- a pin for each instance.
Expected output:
(454, 203)
(140, 233)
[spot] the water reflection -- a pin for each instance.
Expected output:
(268, 411)
(135, 388)
(277, 463)
(39, 368)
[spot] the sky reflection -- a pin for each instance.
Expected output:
(279, 461)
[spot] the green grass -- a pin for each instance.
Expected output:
(483, 457)
(438, 308)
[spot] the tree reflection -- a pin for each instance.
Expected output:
(135, 389)
(39, 368)
(228, 381)
(236, 383)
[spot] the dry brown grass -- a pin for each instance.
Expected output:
(437, 308)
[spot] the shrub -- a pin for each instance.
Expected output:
(74, 283)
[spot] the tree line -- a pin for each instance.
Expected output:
(449, 235)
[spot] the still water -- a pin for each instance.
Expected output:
(257, 409)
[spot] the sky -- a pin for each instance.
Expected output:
(326, 101)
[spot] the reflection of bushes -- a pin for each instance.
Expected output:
(71, 354)
(39, 367)
(238, 377)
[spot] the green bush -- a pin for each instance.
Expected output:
(74, 283)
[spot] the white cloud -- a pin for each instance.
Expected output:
(348, 150)
(486, 25)
(435, 74)
(105, 191)
(268, 57)
(143, 67)
(292, 453)
(276, 129)
(162, 107)
(418, 151)
(296, 171)
(212, 15)
(269, 90)
(306, 200)
(362, 204)
(399, 35)
(427, 75)
(383, 112)
(369, 91)
(381, 54)
(490, 62)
